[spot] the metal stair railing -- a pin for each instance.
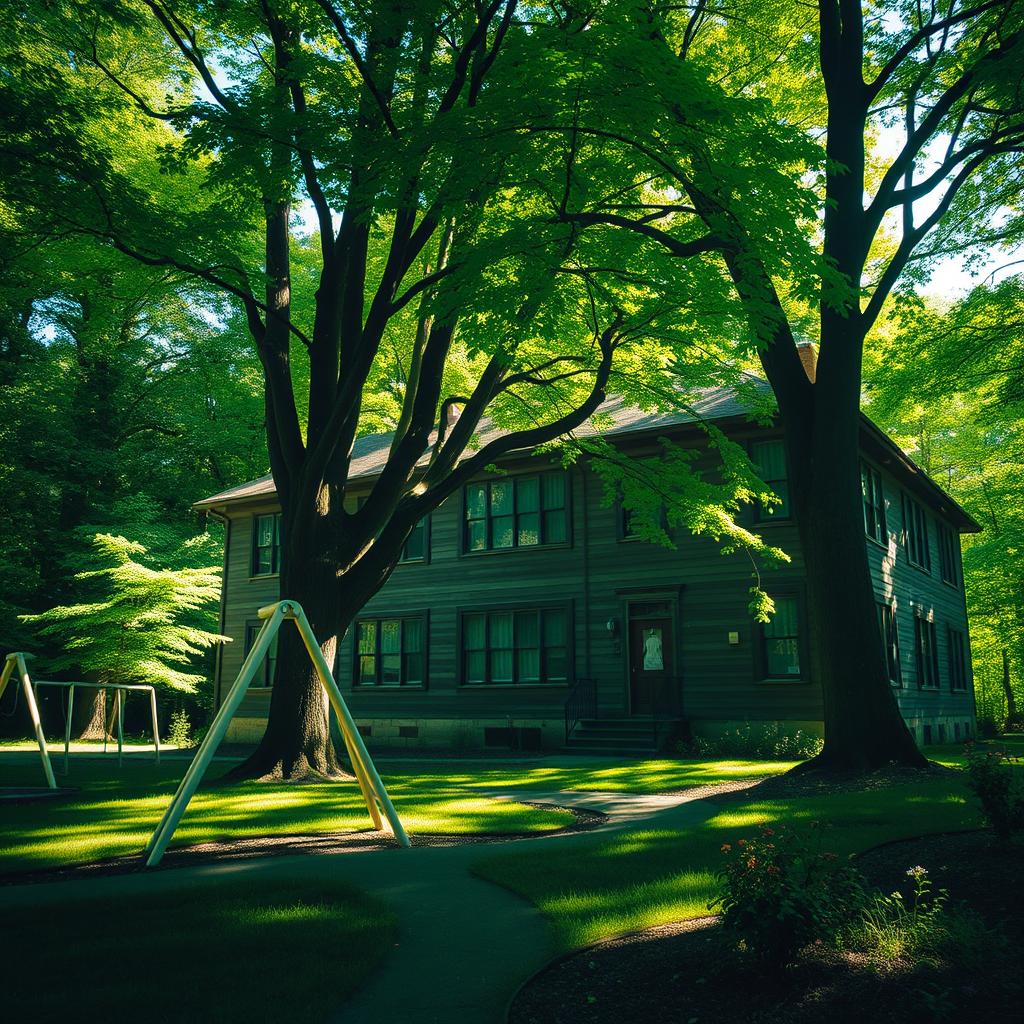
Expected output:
(581, 703)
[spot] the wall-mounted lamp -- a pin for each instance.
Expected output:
(612, 625)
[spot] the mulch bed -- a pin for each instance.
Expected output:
(683, 974)
(279, 846)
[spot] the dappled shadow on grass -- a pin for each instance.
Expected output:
(648, 877)
(113, 815)
(225, 952)
(655, 775)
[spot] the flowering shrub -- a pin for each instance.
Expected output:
(996, 784)
(780, 894)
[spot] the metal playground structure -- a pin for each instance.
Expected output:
(18, 660)
(373, 791)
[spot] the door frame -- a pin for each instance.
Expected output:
(672, 595)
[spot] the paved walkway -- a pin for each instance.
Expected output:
(464, 945)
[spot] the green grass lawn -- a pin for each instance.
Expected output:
(200, 953)
(643, 878)
(113, 813)
(588, 775)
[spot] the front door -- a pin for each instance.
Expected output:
(650, 661)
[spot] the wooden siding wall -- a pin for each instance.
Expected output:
(595, 575)
(911, 590)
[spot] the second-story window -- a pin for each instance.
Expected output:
(416, 544)
(947, 555)
(915, 532)
(769, 458)
(266, 544)
(874, 503)
(522, 511)
(415, 547)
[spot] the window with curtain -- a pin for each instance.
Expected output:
(874, 503)
(780, 641)
(515, 646)
(769, 458)
(266, 544)
(389, 652)
(265, 675)
(518, 512)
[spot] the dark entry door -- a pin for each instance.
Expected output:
(650, 661)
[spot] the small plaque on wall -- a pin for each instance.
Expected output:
(734, 638)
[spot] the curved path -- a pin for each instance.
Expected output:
(464, 945)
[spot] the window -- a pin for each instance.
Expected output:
(890, 643)
(627, 521)
(874, 503)
(417, 544)
(266, 544)
(957, 659)
(947, 555)
(265, 676)
(926, 653)
(415, 547)
(512, 647)
(915, 533)
(780, 641)
(769, 458)
(389, 652)
(522, 511)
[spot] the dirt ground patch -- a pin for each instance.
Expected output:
(683, 974)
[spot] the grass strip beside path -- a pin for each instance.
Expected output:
(113, 815)
(200, 952)
(639, 879)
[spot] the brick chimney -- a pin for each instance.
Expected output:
(808, 353)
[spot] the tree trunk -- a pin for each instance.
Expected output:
(89, 719)
(1013, 720)
(297, 743)
(864, 728)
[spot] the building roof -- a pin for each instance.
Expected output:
(616, 418)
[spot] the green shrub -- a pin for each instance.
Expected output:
(995, 783)
(763, 741)
(180, 732)
(780, 894)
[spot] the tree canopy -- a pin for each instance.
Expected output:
(454, 221)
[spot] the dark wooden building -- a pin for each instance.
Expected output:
(524, 603)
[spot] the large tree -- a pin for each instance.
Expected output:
(357, 177)
(922, 114)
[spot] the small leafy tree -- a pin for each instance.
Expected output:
(147, 624)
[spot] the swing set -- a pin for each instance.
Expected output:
(18, 661)
(374, 794)
(376, 797)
